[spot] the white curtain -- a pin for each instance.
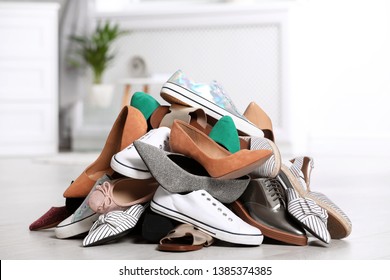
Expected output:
(73, 20)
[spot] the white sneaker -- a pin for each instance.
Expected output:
(212, 98)
(82, 219)
(129, 163)
(200, 209)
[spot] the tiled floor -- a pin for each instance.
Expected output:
(29, 186)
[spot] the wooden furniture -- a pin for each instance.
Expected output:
(144, 83)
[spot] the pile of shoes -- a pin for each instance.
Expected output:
(193, 172)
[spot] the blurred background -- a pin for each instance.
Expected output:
(319, 68)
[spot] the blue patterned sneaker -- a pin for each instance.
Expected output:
(212, 98)
(82, 219)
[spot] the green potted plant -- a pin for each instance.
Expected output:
(95, 52)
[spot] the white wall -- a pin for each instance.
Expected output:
(339, 54)
(339, 57)
(340, 76)
(240, 46)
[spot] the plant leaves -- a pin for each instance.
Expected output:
(95, 49)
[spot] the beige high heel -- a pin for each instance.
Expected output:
(259, 117)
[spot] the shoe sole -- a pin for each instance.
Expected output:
(338, 228)
(181, 95)
(75, 228)
(109, 238)
(129, 171)
(273, 233)
(244, 239)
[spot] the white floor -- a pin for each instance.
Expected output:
(29, 186)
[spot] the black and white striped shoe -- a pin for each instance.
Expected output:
(113, 225)
(271, 167)
(311, 216)
(306, 211)
(339, 224)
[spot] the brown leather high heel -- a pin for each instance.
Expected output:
(219, 163)
(129, 126)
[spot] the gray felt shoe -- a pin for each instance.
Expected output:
(178, 173)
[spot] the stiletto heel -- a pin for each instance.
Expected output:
(189, 175)
(219, 163)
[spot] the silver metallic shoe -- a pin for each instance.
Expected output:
(212, 98)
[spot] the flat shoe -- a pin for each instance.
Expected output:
(82, 218)
(113, 225)
(51, 218)
(184, 238)
(299, 172)
(121, 194)
(304, 210)
(204, 212)
(311, 216)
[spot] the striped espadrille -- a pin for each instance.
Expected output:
(271, 167)
(113, 225)
(299, 170)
